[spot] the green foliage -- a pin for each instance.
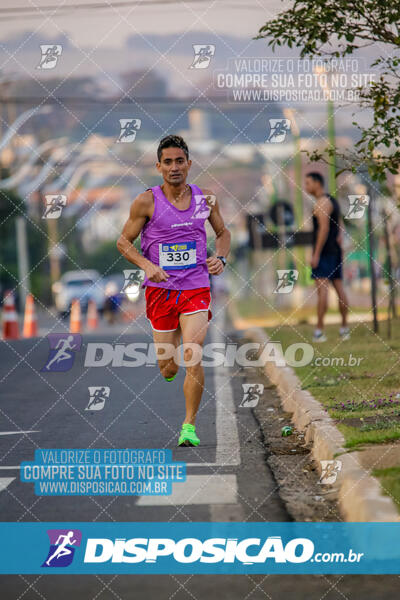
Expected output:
(390, 481)
(336, 28)
(359, 388)
(107, 259)
(12, 206)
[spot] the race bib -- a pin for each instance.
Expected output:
(177, 256)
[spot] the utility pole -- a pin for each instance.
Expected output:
(371, 251)
(391, 282)
(22, 259)
(332, 146)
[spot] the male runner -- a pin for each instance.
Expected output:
(327, 257)
(171, 220)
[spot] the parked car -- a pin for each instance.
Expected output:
(83, 285)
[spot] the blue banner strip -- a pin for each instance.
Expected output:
(156, 548)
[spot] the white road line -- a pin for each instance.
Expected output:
(18, 432)
(5, 482)
(228, 446)
(197, 489)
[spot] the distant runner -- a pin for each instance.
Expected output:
(327, 258)
(171, 220)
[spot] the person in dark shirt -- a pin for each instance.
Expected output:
(327, 257)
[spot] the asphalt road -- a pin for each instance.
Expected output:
(228, 478)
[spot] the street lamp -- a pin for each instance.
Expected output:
(21, 120)
(20, 222)
(15, 179)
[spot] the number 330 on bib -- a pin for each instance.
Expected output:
(177, 256)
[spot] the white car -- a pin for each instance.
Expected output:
(83, 285)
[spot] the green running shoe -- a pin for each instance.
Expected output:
(188, 436)
(169, 379)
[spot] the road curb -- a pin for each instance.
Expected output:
(359, 494)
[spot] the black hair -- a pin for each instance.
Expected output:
(172, 141)
(316, 177)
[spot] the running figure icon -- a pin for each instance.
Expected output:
(98, 397)
(55, 204)
(286, 280)
(62, 549)
(50, 56)
(63, 345)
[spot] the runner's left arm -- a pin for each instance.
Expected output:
(223, 236)
(341, 229)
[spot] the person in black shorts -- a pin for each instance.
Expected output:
(327, 257)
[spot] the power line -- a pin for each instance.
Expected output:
(94, 6)
(34, 12)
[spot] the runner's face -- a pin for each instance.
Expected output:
(174, 166)
(312, 186)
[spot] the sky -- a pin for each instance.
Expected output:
(137, 34)
(114, 23)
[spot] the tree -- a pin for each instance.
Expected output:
(337, 28)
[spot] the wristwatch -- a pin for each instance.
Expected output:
(222, 259)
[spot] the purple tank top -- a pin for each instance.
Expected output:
(176, 240)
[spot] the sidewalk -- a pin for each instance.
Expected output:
(342, 408)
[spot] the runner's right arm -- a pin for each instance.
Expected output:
(140, 211)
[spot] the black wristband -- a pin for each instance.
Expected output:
(222, 259)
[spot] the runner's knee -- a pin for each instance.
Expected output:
(192, 353)
(168, 368)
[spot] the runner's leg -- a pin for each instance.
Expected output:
(194, 329)
(322, 303)
(343, 303)
(168, 367)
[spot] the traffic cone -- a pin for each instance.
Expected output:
(30, 322)
(75, 321)
(92, 315)
(10, 318)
